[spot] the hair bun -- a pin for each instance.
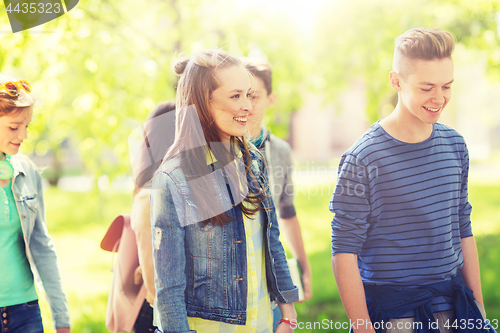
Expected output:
(179, 66)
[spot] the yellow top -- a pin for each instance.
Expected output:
(259, 315)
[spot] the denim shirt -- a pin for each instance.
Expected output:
(201, 270)
(27, 190)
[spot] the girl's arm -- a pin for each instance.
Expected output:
(45, 259)
(141, 224)
(288, 312)
(289, 292)
(168, 254)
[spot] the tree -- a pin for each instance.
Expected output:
(355, 39)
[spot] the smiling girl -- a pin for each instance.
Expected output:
(24, 241)
(218, 258)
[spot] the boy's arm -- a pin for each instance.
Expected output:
(288, 221)
(293, 234)
(351, 205)
(351, 290)
(470, 270)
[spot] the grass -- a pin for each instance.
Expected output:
(77, 222)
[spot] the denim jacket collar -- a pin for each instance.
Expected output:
(18, 167)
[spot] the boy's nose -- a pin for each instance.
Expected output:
(438, 97)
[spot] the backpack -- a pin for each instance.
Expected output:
(125, 297)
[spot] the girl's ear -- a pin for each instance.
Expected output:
(272, 99)
(395, 81)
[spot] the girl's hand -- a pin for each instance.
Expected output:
(287, 311)
(63, 330)
(286, 327)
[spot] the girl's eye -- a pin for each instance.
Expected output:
(13, 129)
(426, 89)
(447, 87)
(236, 96)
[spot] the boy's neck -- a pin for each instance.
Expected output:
(406, 127)
(254, 132)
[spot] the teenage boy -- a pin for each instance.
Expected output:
(404, 257)
(277, 154)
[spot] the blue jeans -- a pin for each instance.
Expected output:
(21, 318)
(144, 321)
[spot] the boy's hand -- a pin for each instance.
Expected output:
(307, 284)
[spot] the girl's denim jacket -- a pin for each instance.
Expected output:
(27, 190)
(201, 269)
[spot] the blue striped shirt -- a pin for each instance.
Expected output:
(403, 207)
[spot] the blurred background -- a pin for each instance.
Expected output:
(101, 68)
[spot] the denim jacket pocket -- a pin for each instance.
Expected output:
(204, 278)
(27, 204)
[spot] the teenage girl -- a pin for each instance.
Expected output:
(25, 244)
(218, 259)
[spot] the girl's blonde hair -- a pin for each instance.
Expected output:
(13, 104)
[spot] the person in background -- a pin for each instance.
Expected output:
(277, 155)
(25, 244)
(157, 141)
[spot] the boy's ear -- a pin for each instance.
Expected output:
(395, 81)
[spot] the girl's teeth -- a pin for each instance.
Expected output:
(240, 119)
(433, 110)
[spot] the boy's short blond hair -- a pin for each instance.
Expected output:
(421, 44)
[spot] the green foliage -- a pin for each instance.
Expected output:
(362, 44)
(100, 69)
